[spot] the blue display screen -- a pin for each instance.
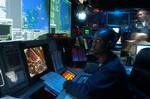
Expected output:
(60, 16)
(34, 13)
(65, 15)
(117, 18)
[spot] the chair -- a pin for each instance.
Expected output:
(115, 91)
(140, 75)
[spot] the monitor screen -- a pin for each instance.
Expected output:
(141, 46)
(35, 60)
(15, 77)
(12, 66)
(5, 33)
(60, 16)
(35, 14)
(117, 18)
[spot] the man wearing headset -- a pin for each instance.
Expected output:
(109, 80)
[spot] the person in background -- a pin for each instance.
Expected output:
(130, 46)
(109, 81)
(142, 23)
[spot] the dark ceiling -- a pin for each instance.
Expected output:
(115, 3)
(99, 5)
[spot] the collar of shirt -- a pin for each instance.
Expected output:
(144, 23)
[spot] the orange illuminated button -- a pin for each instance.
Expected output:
(68, 75)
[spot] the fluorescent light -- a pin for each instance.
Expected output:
(116, 30)
(81, 15)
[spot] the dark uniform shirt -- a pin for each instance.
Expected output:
(141, 27)
(108, 82)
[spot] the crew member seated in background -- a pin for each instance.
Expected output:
(110, 79)
(130, 46)
(142, 23)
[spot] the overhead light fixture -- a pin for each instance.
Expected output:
(81, 1)
(81, 15)
(117, 30)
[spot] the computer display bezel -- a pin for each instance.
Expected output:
(46, 49)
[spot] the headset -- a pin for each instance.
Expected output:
(109, 37)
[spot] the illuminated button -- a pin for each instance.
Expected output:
(68, 75)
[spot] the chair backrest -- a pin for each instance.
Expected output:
(140, 75)
(115, 91)
(142, 59)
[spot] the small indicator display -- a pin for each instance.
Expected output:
(68, 75)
